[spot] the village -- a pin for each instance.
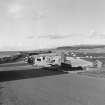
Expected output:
(69, 59)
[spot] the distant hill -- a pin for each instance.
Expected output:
(8, 53)
(77, 47)
(94, 48)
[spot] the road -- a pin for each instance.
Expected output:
(31, 87)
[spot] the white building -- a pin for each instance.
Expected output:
(47, 60)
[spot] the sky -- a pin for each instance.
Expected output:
(38, 24)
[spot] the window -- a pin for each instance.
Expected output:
(43, 58)
(38, 59)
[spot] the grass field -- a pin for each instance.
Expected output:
(25, 85)
(94, 72)
(54, 89)
(22, 84)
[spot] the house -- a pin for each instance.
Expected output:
(48, 60)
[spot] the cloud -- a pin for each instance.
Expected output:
(30, 37)
(95, 34)
(15, 10)
(54, 36)
(23, 10)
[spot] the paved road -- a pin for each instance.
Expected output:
(63, 89)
